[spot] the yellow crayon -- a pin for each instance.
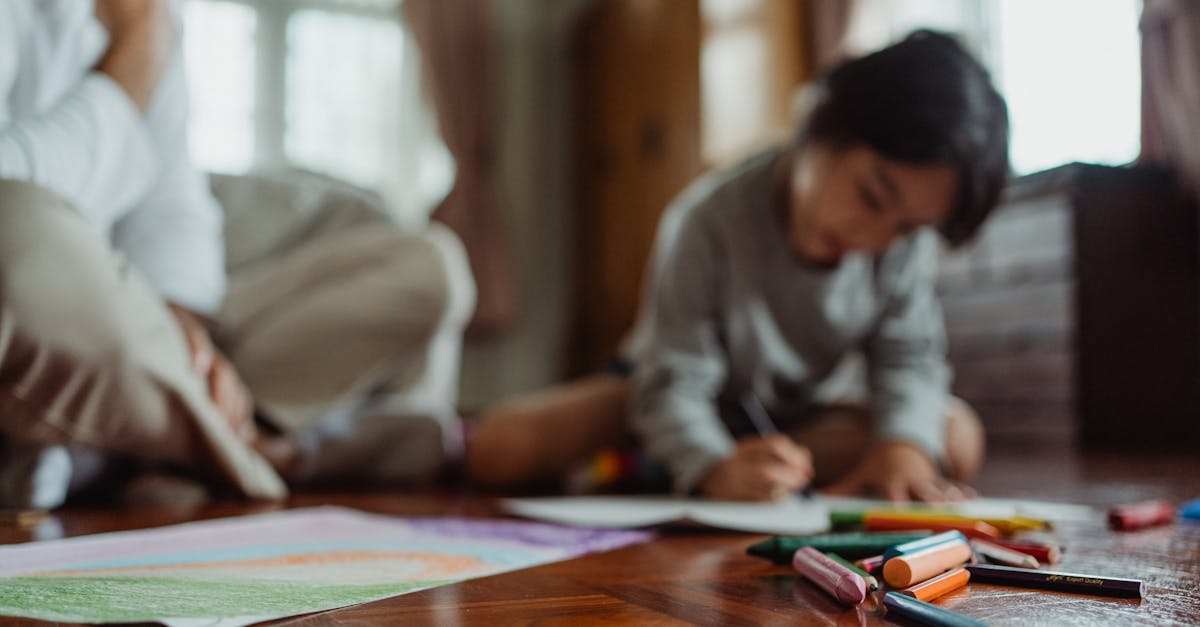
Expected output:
(1007, 526)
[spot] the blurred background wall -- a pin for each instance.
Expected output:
(550, 134)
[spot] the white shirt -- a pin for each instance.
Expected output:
(73, 130)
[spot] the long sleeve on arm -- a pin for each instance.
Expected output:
(908, 374)
(174, 234)
(680, 366)
(92, 148)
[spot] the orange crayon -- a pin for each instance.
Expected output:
(941, 585)
(969, 528)
(903, 571)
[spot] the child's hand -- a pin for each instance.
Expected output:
(760, 469)
(899, 471)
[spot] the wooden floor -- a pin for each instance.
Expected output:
(706, 577)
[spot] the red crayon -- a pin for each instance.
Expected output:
(1045, 553)
(873, 565)
(1141, 515)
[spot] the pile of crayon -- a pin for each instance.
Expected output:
(921, 555)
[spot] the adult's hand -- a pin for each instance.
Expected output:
(141, 38)
(225, 386)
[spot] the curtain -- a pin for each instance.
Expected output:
(1171, 86)
(455, 42)
(831, 25)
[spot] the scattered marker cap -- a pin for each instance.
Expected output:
(1141, 515)
(1190, 510)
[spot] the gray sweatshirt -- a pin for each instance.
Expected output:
(730, 309)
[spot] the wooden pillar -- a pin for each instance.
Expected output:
(636, 99)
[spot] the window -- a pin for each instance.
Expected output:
(221, 57)
(750, 61)
(331, 86)
(1069, 69)
(1074, 90)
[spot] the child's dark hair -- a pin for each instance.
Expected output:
(922, 100)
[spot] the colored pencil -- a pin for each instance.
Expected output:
(926, 613)
(838, 581)
(903, 571)
(1062, 582)
(780, 549)
(941, 585)
(1000, 555)
(1141, 515)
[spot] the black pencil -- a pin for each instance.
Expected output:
(1050, 580)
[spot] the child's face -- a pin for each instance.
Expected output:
(856, 199)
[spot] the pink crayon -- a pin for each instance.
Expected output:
(840, 582)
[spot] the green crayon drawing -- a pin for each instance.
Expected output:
(138, 599)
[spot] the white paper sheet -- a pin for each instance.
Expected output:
(793, 516)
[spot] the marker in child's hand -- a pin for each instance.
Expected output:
(754, 410)
(758, 415)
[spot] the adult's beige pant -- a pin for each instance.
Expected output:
(327, 301)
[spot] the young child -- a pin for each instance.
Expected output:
(766, 275)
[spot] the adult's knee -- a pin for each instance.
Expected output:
(54, 267)
(33, 219)
(427, 279)
(459, 302)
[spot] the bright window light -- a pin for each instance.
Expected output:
(1073, 83)
(1069, 69)
(220, 60)
(343, 94)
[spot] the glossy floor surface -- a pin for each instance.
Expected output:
(704, 577)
